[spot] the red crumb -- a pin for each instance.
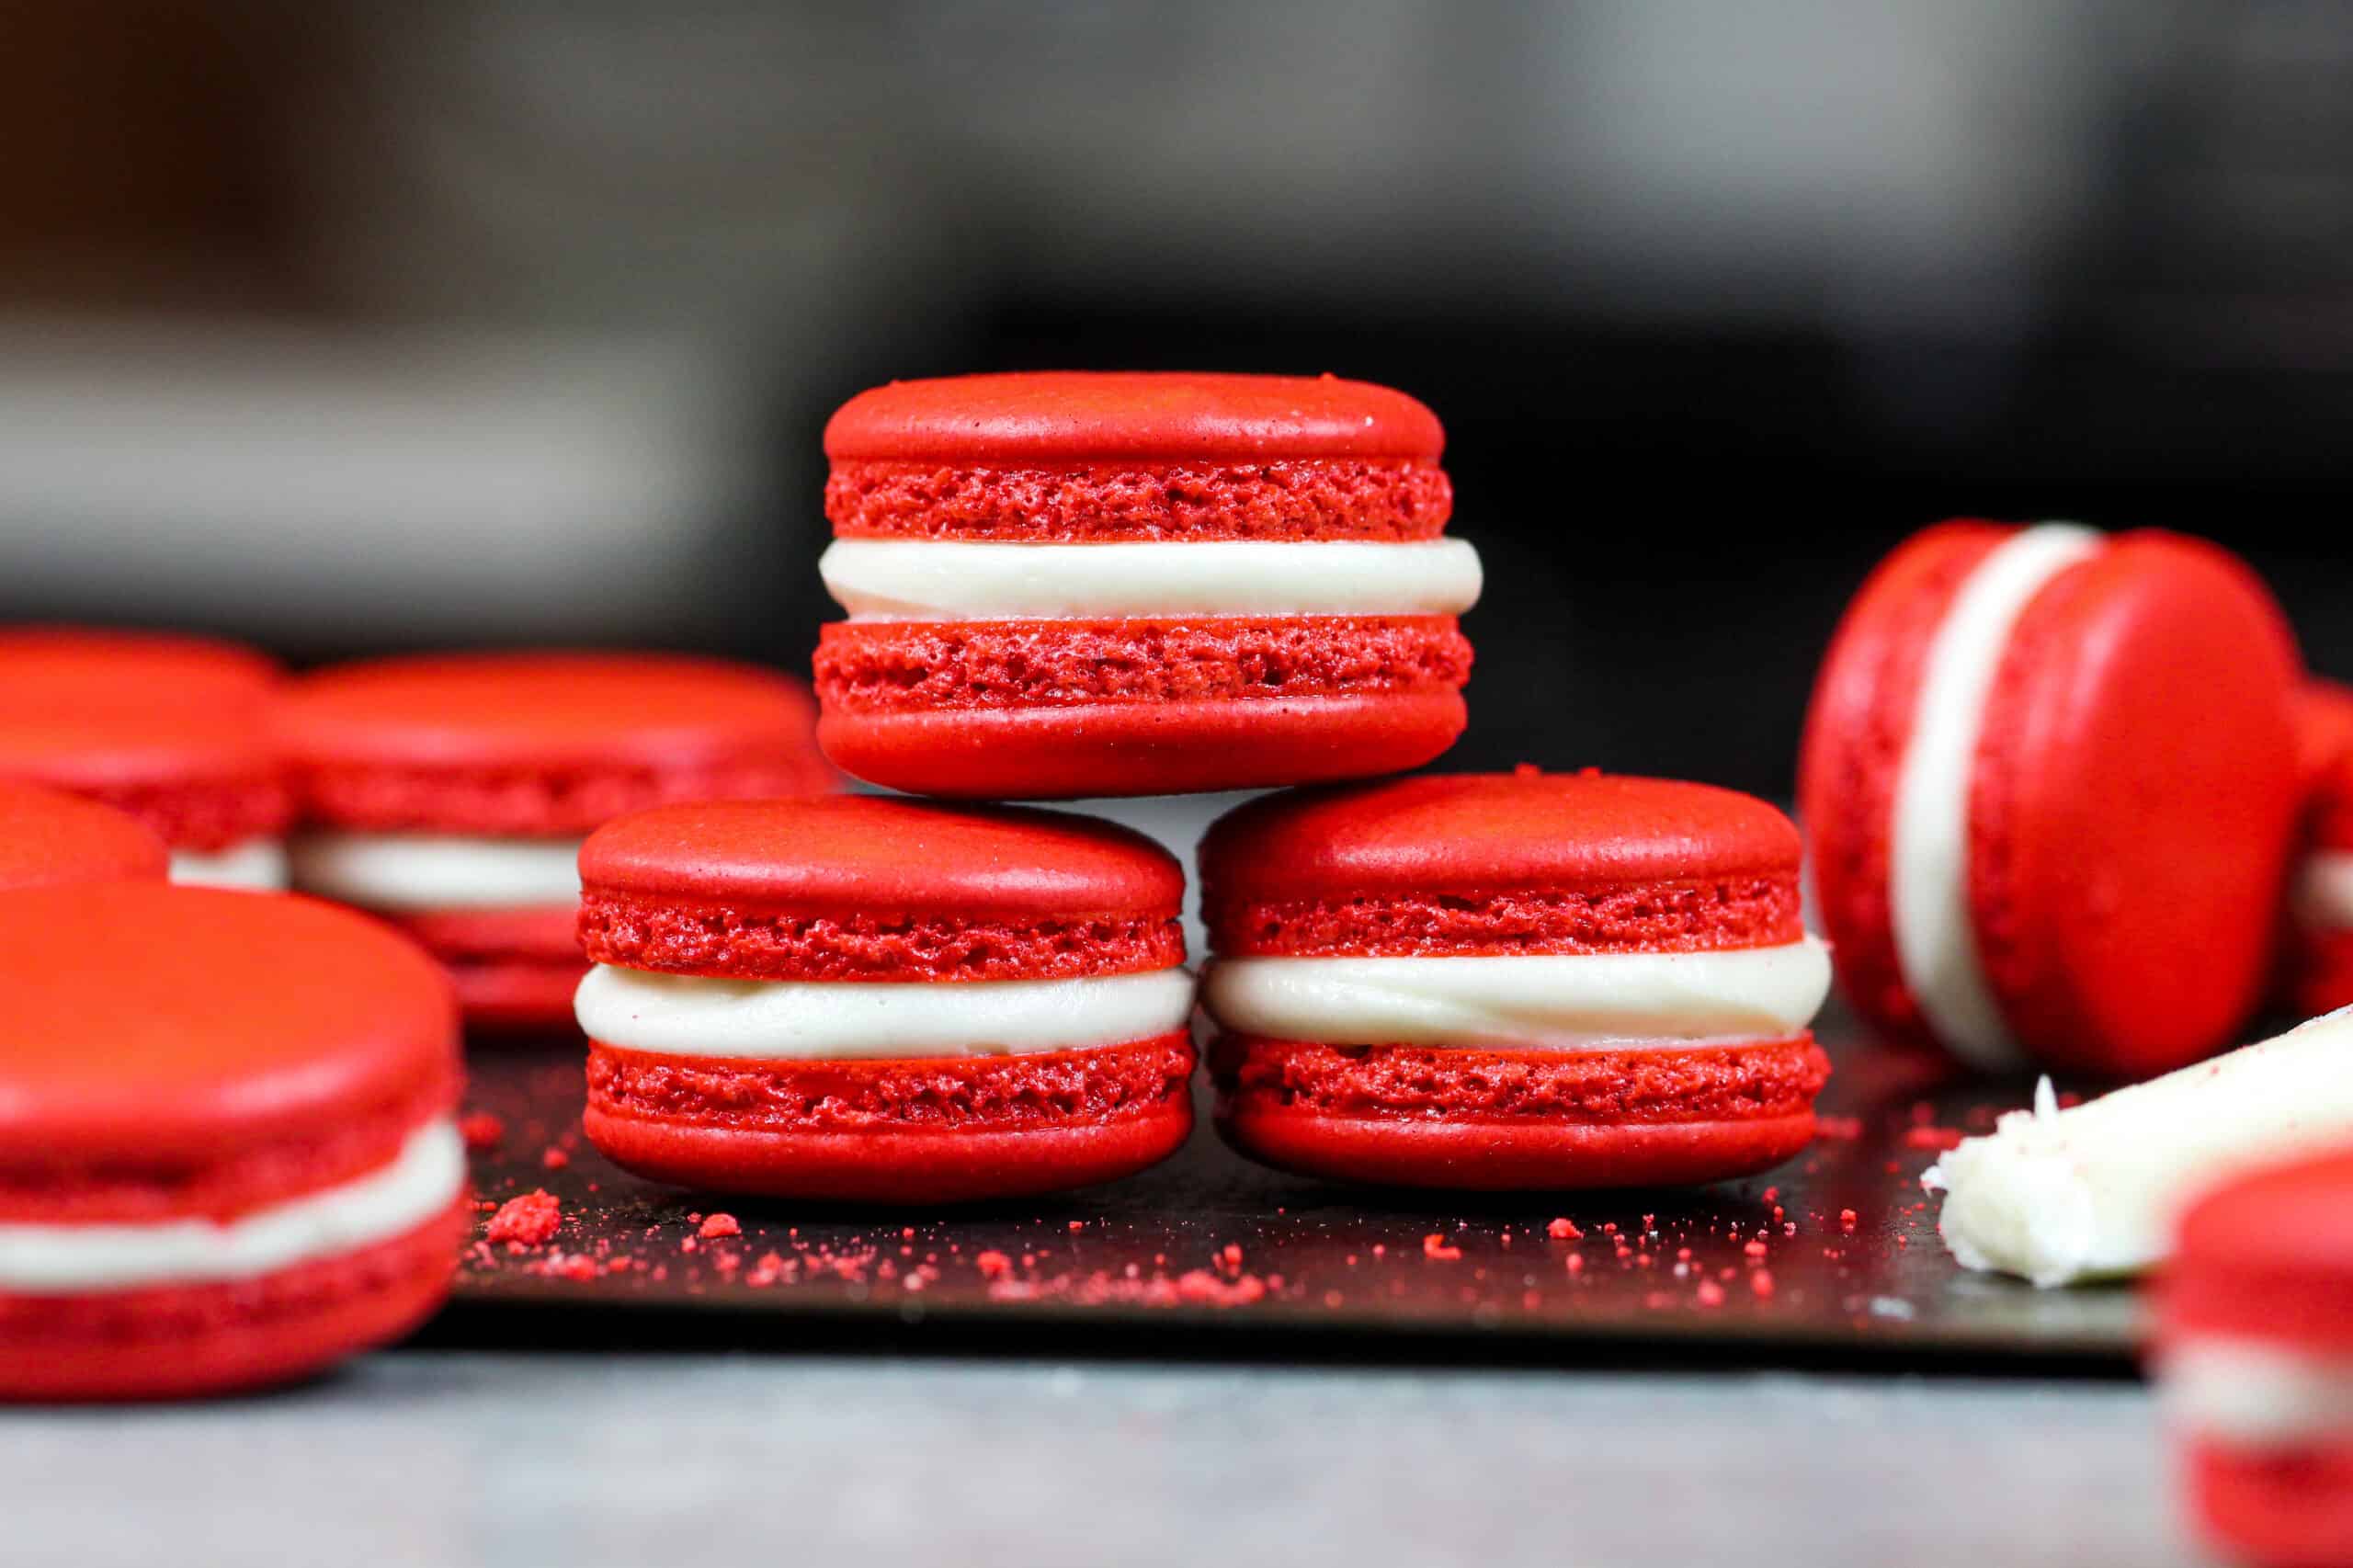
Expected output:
(1845, 1128)
(993, 1265)
(525, 1221)
(1762, 1283)
(1711, 1293)
(1754, 1249)
(1925, 1137)
(719, 1225)
(1846, 1219)
(482, 1131)
(553, 1158)
(1434, 1246)
(1577, 1263)
(1564, 1231)
(1078, 1224)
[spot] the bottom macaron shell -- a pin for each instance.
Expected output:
(929, 1131)
(1500, 1121)
(171, 1342)
(512, 969)
(527, 994)
(1143, 748)
(2318, 972)
(2275, 1507)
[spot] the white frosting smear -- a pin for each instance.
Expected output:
(952, 580)
(259, 864)
(421, 1181)
(2061, 1196)
(1935, 942)
(2324, 891)
(2256, 1395)
(1557, 1002)
(826, 1021)
(416, 872)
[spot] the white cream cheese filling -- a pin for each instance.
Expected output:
(2254, 1394)
(828, 1021)
(2094, 1192)
(416, 872)
(259, 864)
(2324, 890)
(877, 579)
(421, 1181)
(1555, 1002)
(1936, 941)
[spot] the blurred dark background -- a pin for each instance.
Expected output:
(351, 327)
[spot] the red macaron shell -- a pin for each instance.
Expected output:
(48, 838)
(2267, 1255)
(183, 1030)
(1096, 416)
(2133, 807)
(2317, 962)
(72, 669)
(201, 778)
(2323, 711)
(1857, 727)
(2274, 1507)
(1525, 862)
(915, 1130)
(2131, 803)
(847, 887)
(540, 743)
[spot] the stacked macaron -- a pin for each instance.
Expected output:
(1525, 980)
(450, 793)
(169, 729)
(1070, 584)
(2317, 974)
(2254, 1362)
(227, 1154)
(2050, 779)
(849, 997)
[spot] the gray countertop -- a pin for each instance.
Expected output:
(431, 1457)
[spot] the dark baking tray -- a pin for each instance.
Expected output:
(1211, 1248)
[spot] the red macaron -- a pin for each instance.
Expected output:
(47, 838)
(2317, 974)
(67, 668)
(1074, 584)
(876, 1000)
(227, 1156)
(2254, 1362)
(448, 794)
(1525, 981)
(2049, 781)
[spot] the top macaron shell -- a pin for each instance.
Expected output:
(203, 778)
(2131, 804)
(2269, 1255)
(151, 1023)
(48, 838)
(65, 669)
(862, 887)
(1309, 870)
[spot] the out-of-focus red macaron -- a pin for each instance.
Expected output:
(47, 838)
(450, 792)
(2050, 782)
(204, 779)
(1077, 583)
(876, 1000)
(61, 668)
(1522, 981)
(2254, 1362)
(227, 1155)
(2317, 975)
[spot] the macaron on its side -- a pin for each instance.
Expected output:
(228, 1155)
(1511, 982)
(1069, 584)
(2049, 781)
(2317, 971)
(871, 1000)
(205, 781)
(2253, 1360)
(450, 794)
(48, 838)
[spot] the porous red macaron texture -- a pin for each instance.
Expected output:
(1858, 727)
(204, 815)
(1032, 1090)
(1747, 912)
(524, 802)
(177, 1340)
(871, 668)
(1326, 499)
(1710, 1083)
(2290, 1506)
(137, 1187)
(679, 938)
